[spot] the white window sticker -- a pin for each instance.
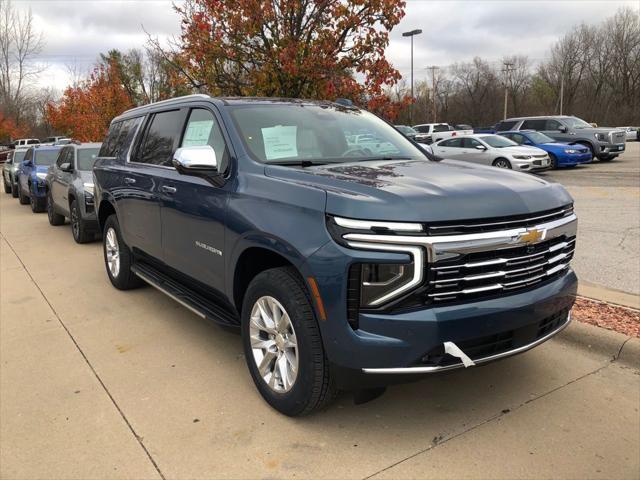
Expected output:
(197, 133)
(280, 142)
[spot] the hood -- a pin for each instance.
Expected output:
(424, 191)
(41, 168)
(522, 150)
(554, 146)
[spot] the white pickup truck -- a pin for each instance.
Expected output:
(439, 131)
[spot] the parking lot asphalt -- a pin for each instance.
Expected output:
(100, 383)
(607, 201)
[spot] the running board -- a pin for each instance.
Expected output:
(195, 302)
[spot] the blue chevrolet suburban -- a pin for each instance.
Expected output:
(347, 257)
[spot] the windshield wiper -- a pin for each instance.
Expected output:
(373, 159)
(298, 163)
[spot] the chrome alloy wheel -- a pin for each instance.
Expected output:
(75, 227)
(112, 250)
(502, 164)
(274, 344)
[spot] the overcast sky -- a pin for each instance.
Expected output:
(76, 31)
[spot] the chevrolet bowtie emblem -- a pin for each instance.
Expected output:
(532, 235)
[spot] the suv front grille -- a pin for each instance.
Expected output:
(488, 225)
(481, 274)
(618, 137)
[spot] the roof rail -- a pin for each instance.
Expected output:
(170, 100)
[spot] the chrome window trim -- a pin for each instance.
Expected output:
(433, 369)
(371, 224)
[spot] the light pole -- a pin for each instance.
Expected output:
(433, 87)
(508, 68)
(411, 34)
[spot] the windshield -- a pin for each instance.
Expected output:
(87, 157)
(574, 122)
(497, 141)
(18, 155)
(45, 157)
(405, 129)
(537, 137)
(295, 133)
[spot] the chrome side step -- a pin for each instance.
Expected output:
(198, 304)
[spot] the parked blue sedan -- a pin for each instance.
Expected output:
(561, 154)
(32, 173)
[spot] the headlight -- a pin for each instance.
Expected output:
(88, 188)
(377, 283)
(570, 150)
(600, 136)
(522, 157)
(41, 175)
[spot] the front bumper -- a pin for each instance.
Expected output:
(533, 165)
(572, 159)
(611, 148)
(38, 188)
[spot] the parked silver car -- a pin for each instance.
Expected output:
(10, 171)
(487, 149)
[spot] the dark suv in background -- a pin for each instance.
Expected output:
(69, 187)
(604, 143)
(345, 266)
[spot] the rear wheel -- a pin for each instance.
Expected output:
(282, 344)
(118, 259)
(7, 187)
(55, 219)
(502, 163)
(14, 190)
(37, 204)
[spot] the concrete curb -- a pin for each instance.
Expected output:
(622, 348)
(609, 295)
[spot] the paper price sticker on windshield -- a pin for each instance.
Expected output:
(197, 133)
(280, 142)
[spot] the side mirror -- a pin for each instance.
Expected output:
(195, 160)
(563, 129)
(28, 163)
(481, 147)
(66, 167)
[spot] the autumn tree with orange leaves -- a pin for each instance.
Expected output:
(321, 49)
(85, 111)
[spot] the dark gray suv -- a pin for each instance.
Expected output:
(69, 185)
(604, 143)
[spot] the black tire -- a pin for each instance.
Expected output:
(7, 187)
(313, 387)
(606, 158)
(502, 163)
(124, 279)
(22, 198)
(78, 227)
(55, 219)
(37, 204)
(14, 191)
(554, 161)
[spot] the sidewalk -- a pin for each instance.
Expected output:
(99, 383)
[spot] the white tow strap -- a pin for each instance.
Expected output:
(453, 350)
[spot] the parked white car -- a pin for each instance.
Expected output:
(492, 150)
(631, 133)
(438, 131)
(25, 142)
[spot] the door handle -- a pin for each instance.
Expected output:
(129, 180)
(168, 189)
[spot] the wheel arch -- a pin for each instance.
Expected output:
(105, 210)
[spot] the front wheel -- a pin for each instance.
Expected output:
(118, 259)
(502, 163)
(36, 204)
(78, 227)
(7, 187)
(22, 198)
(282, 344)
(554, 161)
(55, 219)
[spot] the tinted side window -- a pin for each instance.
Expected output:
(505, 126)
(519, 139)
(454, 142)
(62, 156)
(533, 125)
(422, 129)
(203, 129)
(553, 125)
(29, 155)
(161, 138)
(441, 128)
(470, 143)
(109, 145)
